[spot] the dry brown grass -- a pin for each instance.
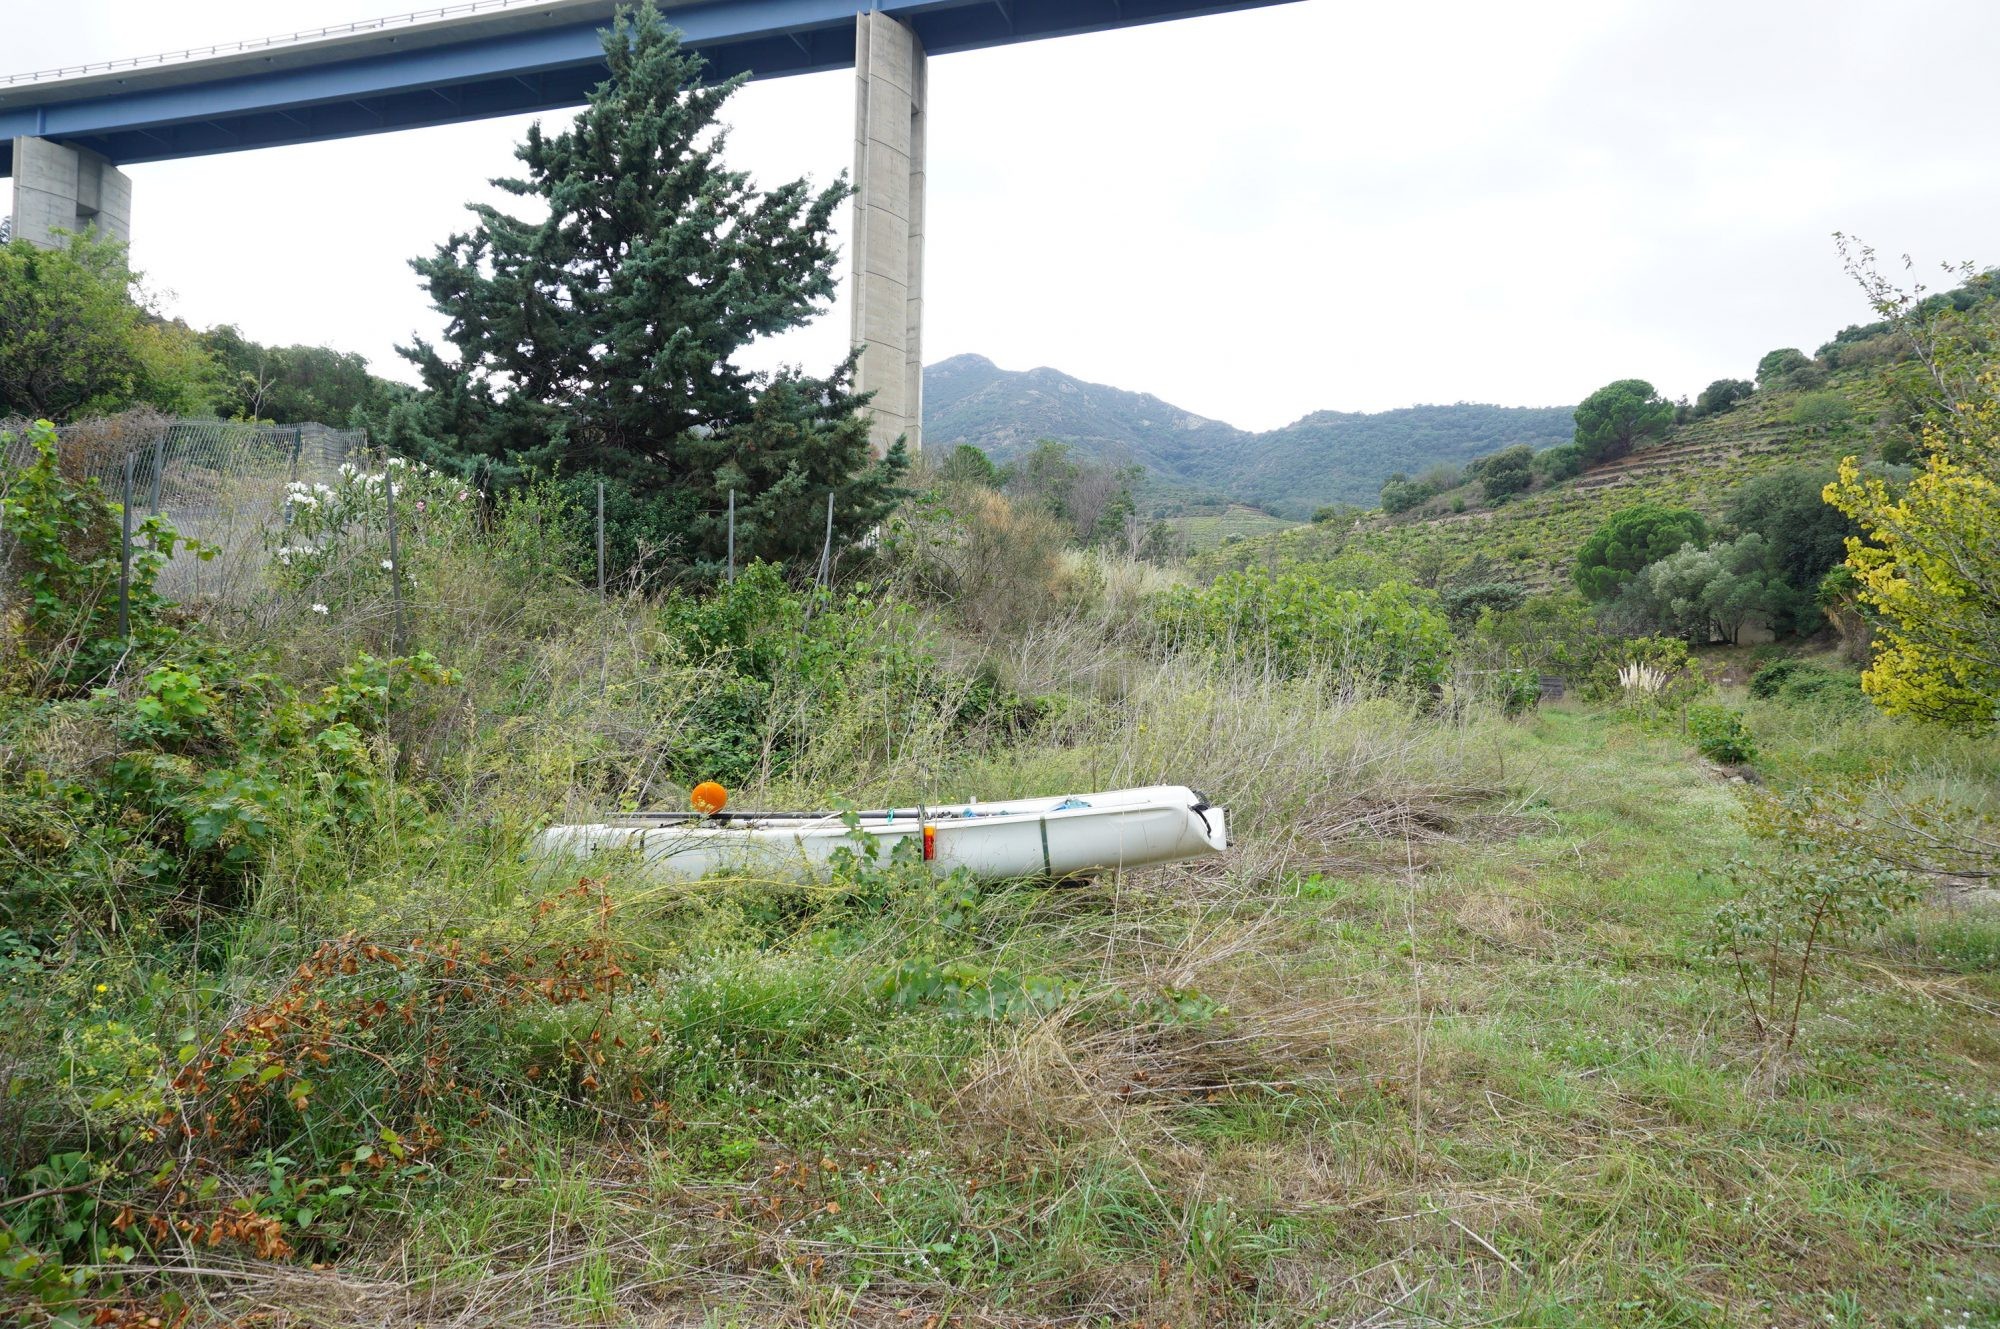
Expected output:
(998, 565)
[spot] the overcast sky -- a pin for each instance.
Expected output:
(1321, 205)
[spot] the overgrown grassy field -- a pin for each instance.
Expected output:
(1442, 1041)
(1208, 530)
(1447, 1054)
(1463, 1067)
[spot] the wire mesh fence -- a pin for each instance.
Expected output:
(237, 489)
(221, 482)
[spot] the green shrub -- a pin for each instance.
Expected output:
(1821, 884)
(1721, 735)
(1722, 395)
(1827, 687)
(1803, 682)
(1558, 463)
(159, 792)
(61, 568)
(1297, 621)
(1400, 494)
(1517, 690)
(1789, 367)
(1820, 412)
(1769, 681)
(1552, 634)
(1464, 604)
(967, 991)
(1505, 473)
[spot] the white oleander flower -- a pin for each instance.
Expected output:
(388, 565)
(319, 608)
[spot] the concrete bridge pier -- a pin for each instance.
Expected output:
(888, 257)
(63, 188)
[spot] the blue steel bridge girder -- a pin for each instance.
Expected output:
(75, 132)
(421, 76)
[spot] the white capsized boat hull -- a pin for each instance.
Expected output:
(1066, 836)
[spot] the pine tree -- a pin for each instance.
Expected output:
(602, 341)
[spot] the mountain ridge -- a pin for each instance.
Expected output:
(1324, 456)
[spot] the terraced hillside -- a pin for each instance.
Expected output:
(1533, 538)
(1206, 531)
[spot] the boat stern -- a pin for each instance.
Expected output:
(1214, 823)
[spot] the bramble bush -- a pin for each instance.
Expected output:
(205, 755)
(1803, 682)
(147, 774)
(153, 795)
(799, 667)
(278, 1125)
(62, 555)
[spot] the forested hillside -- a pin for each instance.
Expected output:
(969, 399)
(1533, 539)
(1327, 457)
(1343, 456)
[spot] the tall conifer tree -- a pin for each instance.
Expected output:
(601, 341)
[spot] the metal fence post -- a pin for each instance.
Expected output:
(292, 471)
(600, 539)
(159, 469)
(826, 550)
(125, 556)
(395, 559)
(732, 536)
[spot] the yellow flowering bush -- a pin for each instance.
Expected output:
(1929, 569)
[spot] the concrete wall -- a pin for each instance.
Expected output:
(890, 74)
(60, 188)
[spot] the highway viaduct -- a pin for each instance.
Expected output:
(64, 133)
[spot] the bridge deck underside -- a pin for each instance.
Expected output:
(152, 116)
